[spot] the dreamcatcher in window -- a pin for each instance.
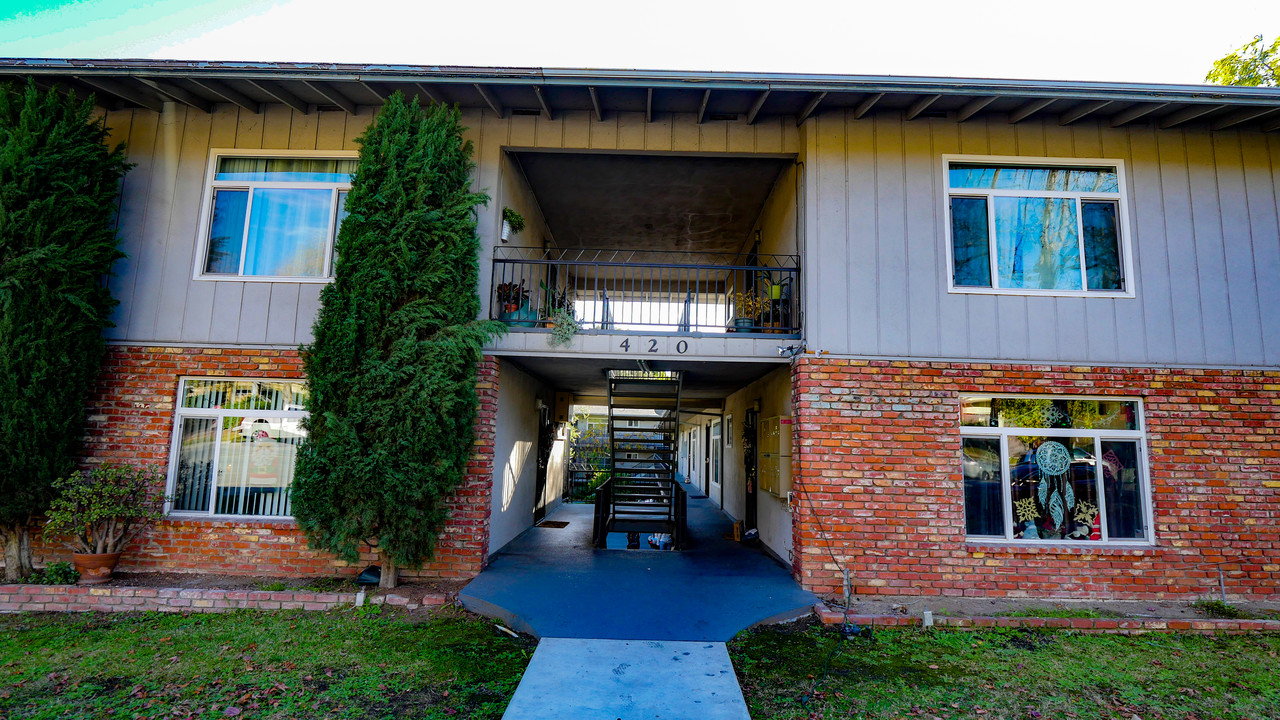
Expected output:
(1053, 461)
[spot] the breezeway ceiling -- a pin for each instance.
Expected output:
(646, 202)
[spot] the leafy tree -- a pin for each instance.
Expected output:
(1252, 65)
(58, 185)
(392, 369)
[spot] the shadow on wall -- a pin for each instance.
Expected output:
(511, 472)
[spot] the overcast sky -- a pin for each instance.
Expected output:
(1170, 41)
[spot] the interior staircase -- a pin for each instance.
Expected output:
(643, 494)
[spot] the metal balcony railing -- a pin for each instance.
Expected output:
(647, 291)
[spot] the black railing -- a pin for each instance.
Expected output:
(680, 508)
(651, 291)
(603, 514)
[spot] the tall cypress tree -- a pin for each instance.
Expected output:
(392, 368)
(58, 186)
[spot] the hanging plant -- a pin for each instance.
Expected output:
(563, 327)
(512, 223)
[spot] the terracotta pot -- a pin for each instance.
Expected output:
(95, 569)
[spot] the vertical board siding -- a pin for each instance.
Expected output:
(161, 198)
(133, 209)
(1202, 206)
(1203, 230)
(1264, 198)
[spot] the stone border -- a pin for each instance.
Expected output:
(84, 598)
(1121, 626)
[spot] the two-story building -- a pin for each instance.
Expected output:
(959, 337)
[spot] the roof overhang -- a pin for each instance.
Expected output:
(710, 96)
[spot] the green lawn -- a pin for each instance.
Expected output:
(342, 664)
(808, 672)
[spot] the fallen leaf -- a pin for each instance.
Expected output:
(231, 711)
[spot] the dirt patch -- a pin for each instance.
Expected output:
(415, 590)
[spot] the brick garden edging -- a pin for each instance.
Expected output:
(1119, 626)
(82, 598)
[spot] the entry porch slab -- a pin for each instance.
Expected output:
(550, 582)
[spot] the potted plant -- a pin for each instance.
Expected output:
(101, 512)
(557, 299)
(511, 297)
(512, 223)
(747, 306)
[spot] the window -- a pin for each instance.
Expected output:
(273, 217)
(1055, 469)
(1051, 227)
(235, 446)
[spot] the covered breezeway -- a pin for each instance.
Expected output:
(552, 582)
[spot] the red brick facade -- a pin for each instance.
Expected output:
(878, 483)
(131, 420)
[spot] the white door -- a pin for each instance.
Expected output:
(717, 457)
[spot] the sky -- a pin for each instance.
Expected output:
(1162, 41)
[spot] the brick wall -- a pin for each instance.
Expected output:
(131, 421)
(879, 486)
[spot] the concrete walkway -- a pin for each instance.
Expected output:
(551, 582)
(628, 680)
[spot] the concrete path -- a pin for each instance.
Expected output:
(628, 680)
(632, 634)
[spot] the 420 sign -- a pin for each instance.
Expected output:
(651, 345)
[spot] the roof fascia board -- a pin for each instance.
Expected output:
(1131, 92)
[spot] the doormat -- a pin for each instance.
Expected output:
(553, 523)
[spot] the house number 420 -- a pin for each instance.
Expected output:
(651, 345)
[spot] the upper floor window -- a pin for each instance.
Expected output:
(273, 217)
(1043, 226)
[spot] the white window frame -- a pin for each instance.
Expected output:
(175, 445)
(206, 210)
(1123, 225)
(1099, 436)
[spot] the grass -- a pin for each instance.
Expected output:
(809, 672)
(1221, 610)
(1063, 613)
(341, 664)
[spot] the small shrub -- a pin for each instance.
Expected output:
(57, 573)
(100, 512)
(273, 586)
(60, 573)
(1220, 610)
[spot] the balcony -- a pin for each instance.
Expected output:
(647, 291)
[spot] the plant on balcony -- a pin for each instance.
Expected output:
(512, 223)
(59, 181)
(392, 370)
(563, 327)
(748, 306)
(99, 512)
(512, 296)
